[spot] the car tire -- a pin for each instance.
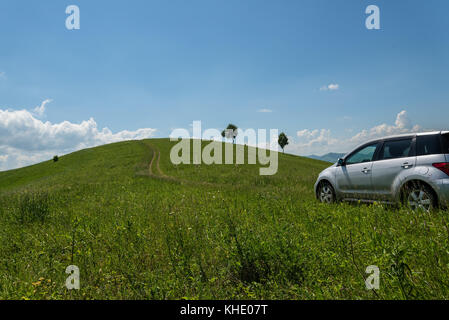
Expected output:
(420, 197)
(326, 193)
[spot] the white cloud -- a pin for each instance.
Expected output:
(321, 141)
(265, 110)
(312, 141)
(330, 87)
(2, 75)
(401, 125)
(25, 139)
(40, 110)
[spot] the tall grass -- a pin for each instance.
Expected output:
(32, 207)
(213, 232)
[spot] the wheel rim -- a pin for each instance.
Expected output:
(419, 200)
(326, 194)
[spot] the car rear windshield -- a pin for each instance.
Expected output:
(428, 144)
(445, 138)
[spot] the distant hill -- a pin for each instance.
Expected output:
(329, 157)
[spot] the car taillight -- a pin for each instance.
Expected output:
(443, 166)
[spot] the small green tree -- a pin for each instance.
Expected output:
(283, 141)
(55, 159)
(230, 132)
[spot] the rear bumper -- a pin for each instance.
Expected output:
(442, 188)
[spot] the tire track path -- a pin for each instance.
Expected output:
(155, 170)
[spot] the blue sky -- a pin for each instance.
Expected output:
(163, 64)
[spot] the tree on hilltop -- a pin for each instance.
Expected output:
(230, 132)
(283, 141)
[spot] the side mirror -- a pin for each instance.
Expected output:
(340, 162)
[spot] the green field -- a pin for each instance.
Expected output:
(139, 227)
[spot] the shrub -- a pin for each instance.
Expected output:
(55, 159)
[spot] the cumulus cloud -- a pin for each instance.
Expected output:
(322, 141)
(40, 110)
(313, 140)
(330, 87)
(401, 125)
(265, 110)
(24, 139)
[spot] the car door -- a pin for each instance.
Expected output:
(354, 176)
(395, 157)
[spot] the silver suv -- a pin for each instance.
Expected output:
(412, 169)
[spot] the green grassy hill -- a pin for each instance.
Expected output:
(139, 227)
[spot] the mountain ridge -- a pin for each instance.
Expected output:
(328, 157)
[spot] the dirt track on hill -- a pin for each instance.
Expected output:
(155, 170)
(156, 167)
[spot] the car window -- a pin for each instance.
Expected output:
(445, 138)
(365, 154)
(428, 144)
(394, 149)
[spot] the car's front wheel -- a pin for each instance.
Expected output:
(419, 197)
(326, 193)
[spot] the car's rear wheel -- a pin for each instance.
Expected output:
(419, 197)
(326, 193)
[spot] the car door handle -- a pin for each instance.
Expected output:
(406, 165)
(366, 170)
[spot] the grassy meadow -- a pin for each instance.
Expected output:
(139, 227)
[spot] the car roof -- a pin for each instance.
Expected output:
(410, 134)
